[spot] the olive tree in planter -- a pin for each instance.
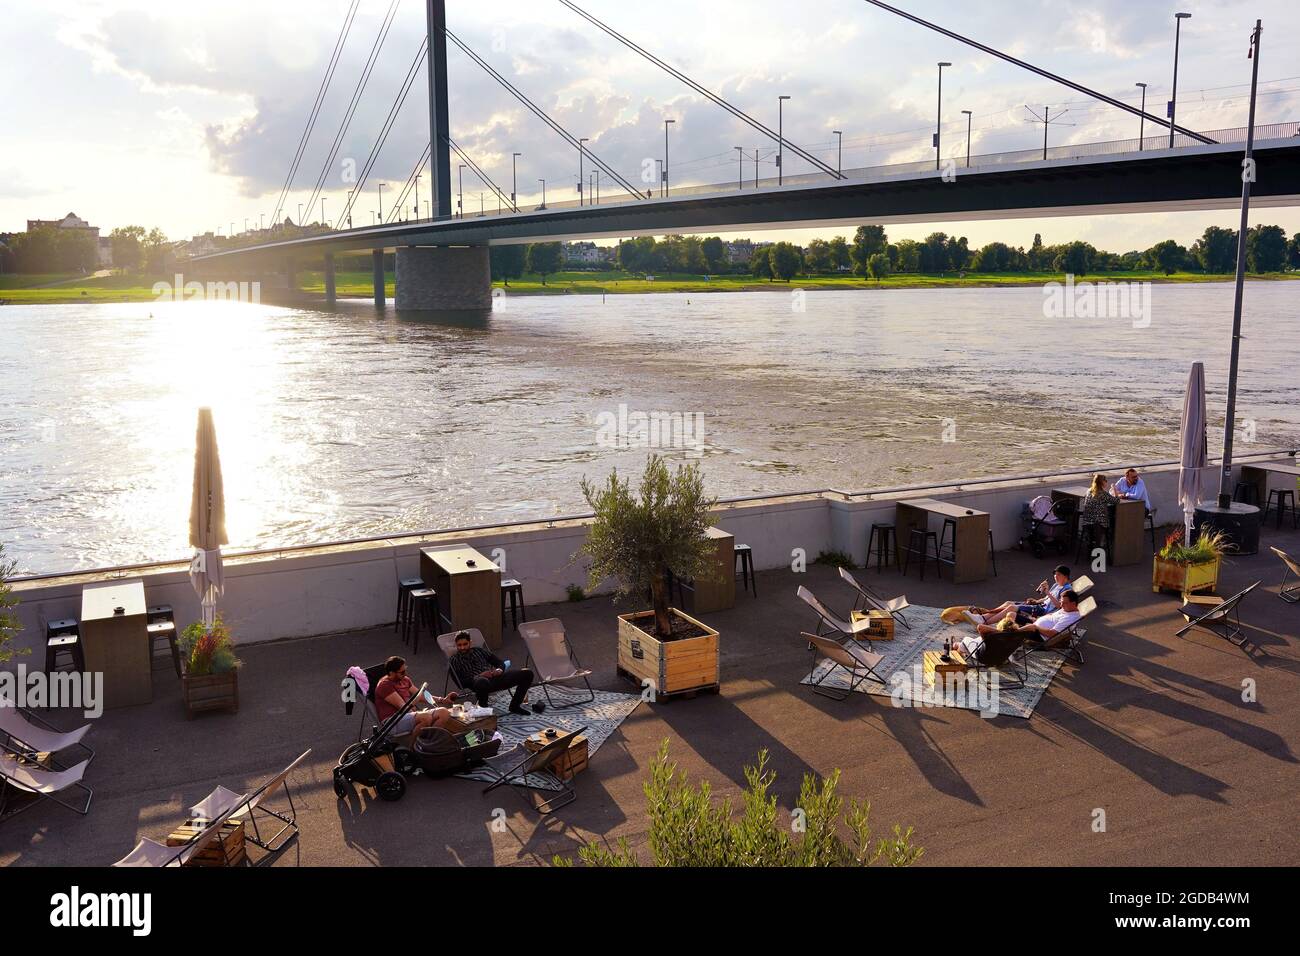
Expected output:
(211, 670)
(636, 538)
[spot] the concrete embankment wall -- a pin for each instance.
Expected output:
(305, 591)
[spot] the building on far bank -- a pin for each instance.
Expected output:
(103, 245)
(740, 251)
(586, 254)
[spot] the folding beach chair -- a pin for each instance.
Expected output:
(18, 775)
(1068, 643)
(1219, 617)
(151, 853)
(245, 806)
(845, 629)
(1289, 592)
(28, 733)
(552, 659)
(867, 599)
(1081, 585)
(861, 665)
(516, 764)
(997, 653)
(447, 644)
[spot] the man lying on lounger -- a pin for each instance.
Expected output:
(1043, 629)
(479, 670)
(395, 689)
(1027, 611)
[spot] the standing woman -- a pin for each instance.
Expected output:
(1094, 513)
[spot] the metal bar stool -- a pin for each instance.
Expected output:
(63, 637)
(949, 524)
(1280, 496)
(515, 591)
(886, 545)
(1089, 537)
(993, 555)
(1151, 526)
(745, 558)
(1246, 493)
(161, 624)
(923, 537)
(404, 588)
(424, 613)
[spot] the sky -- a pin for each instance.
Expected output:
(186, 115)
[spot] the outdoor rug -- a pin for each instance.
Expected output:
(901, 669)
(601, 717)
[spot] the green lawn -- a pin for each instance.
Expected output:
(19, 290)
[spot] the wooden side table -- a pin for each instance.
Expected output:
(571, 763)
(933, 666)
(226, 849)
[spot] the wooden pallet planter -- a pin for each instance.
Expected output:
(673, 668)
(1184, 578)
(210, 692)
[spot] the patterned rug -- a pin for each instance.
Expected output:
(906, 686)
(600, 717)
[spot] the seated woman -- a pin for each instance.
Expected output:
(1026, 611)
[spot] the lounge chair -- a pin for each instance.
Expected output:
(28, 732)
(860, 664)
(1289, 592)
(151, 853)
(447, 644)
(245, 806)
(1068, 643)
(552, 659)
(997, 653)
(846, 629)
(1081, 585)
(1218, 616)
(870, 600)
(23, 777)
(516, 764)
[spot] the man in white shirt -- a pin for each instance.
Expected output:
(1043, 629)
(1132, 486)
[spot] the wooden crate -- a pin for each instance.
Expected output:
(881, 627)
(210, 692)
(226, 850)
(571, 763)
(932, 664)
(1184, 578)
(671, 667)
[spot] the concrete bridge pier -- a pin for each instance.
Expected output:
(443, 278)
(377, 267)
(330, 292)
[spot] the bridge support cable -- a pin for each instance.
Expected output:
(708, 94)
(411, 72)
(1118, 104)
(342, 40)
(484, 178)
(407, 186)
(351, 110)
(542, 115)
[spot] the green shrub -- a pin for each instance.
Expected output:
(575, 592)
(9, 626)
(836, 559)
(689, 828)
(206, 650)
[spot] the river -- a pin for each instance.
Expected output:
(348, 423)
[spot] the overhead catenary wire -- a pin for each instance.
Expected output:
(348, 18)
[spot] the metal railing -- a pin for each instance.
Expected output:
(953, 485)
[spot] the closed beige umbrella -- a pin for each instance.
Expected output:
(207, 518)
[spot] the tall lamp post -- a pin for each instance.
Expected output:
(381, 202)
(581, 150)
(780, 138)
(968, 117)
(1229, 421)
(543, 182)
(938, 116)
(417, 196)
(839, 153)
(514, 179)
(740, 167)
(460, 191)
(1173, 103)
(667, 123)
(1143, 118)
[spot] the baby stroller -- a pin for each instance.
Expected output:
(1046, 522)
(377, 762)
(440, 753)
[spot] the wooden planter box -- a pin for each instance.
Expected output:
(1184, 578)
(210, 692)
(670, 667)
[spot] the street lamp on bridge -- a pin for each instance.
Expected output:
(381, 202)
(968, 118)
(514, 179)
(740, 167)
(1143, 118)
(839, 153)
(667, 123)
(780, 137)
(1173, 102)
(460, 191)
(543, 205)
(581, 150)
(938, 117)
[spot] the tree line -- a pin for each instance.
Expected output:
(870, 254)
(49, 249)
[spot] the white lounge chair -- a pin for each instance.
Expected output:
(860, 664)
(847, 629)
(20, 776)
(1068, 643)
(1290, 590)
(26, 731)
(151, 853)
(237, 806)
(552, 659)
(1217, 615)
(870, 600)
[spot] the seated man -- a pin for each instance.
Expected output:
(1043, 629)
(395, 689)
(481, 671)
(1026, 611)
(1132, 487)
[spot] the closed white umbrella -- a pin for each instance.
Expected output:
(1194, 456)
(207, 518)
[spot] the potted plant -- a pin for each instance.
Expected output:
(9, 623)
(211, 670)
(636, 539)
(1189, 568)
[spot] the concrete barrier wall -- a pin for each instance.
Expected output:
(301, 592)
